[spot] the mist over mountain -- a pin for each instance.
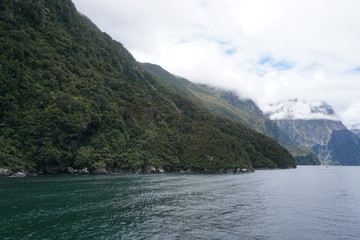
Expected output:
(300, 110)
(314, 124)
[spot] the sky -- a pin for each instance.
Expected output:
(266, 50)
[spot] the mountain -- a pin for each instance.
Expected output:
(291, 109)
(343, 148)
(356, 131)
(307, 123)
(71, 96)
(227, 104)
(222, 103)
(314, 124)
(308, 133)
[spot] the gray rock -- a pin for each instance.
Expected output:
(149, 169)
(72, 171)
(160, 170)
(18, 175)
(5, 172)
(84, 171)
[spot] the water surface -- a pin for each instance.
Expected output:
(303, 203)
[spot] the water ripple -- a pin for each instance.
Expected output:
(306, 203)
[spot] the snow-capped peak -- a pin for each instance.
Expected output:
(300, 109)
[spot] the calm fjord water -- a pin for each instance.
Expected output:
(303, 203)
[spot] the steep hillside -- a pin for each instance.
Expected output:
(222, 103)
(71, 96)
(343, 149)
(228, 105)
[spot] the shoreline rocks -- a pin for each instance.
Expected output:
(119, 171)
(72, 171)
(7, 173)
(149, 169)
(18, 175)
(84, 171)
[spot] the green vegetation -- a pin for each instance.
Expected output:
(71, 96)
(226, 104)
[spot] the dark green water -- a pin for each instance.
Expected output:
(303, 203)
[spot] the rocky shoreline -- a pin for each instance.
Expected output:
(108, 171)
(7, 173)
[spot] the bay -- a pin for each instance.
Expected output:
(304, 203)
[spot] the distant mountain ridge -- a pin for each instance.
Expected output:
(314, 124)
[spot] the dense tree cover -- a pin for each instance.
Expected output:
(71, 96)
(227, 104)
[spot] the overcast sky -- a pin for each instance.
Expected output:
(266, 50)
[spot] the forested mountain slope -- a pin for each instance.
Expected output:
(227, 104)
(72, 96)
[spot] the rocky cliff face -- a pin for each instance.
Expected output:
(308, 133)
(343, 148)
(314, 124)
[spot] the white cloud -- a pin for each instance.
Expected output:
(300, 109)
(313, 45)
(351, 115)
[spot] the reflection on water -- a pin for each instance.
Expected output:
(303, 203)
